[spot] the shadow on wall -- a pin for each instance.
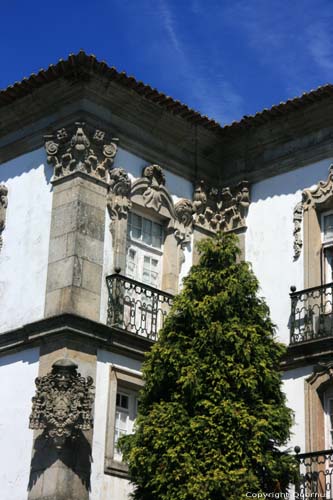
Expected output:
(75, 455)
(29, 356)
(291, 182)
(24, 164)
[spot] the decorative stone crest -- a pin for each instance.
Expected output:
(80, 149)
(321, 193)
(297, 219)
(118, 202)
(63, 403)
(3, 209)
(221, 209)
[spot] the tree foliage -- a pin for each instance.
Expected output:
(212, 403)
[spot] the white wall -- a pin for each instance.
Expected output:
(269, 237)
(293, 386)
(104, 486)
(17, 375)
(24, 255)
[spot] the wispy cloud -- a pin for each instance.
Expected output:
(292, 40)
(207, 88)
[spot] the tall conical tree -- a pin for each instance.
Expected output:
(212, 404)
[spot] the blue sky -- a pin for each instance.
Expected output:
(224, 58)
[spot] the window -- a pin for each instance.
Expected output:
(327, 246)
(124, 386)
(144, 230)
(328, 407)
(126, 410)
(144, 250)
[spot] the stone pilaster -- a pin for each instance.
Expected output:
(62, 473)
(76, 247)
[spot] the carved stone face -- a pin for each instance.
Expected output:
(62, 379)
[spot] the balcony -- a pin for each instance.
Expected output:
(315, 475)
(311, 313)
(135, 307)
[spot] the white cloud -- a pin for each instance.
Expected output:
(207, 88)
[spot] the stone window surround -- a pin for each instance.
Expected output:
(315, 202)
(149, 197)
(124, 379)
(315, 387)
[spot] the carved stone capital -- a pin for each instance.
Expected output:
(3, 209)
(119, 202)
(221, 209)
(80, 149)
(63, 403)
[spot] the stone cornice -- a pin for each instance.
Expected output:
(264, 151)
(308, 353)
(73, 328)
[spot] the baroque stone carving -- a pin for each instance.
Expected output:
(321, 193)
(184, 221)
(151, 192)
(153, 195)
(80, 149)
(3, 209)
(63, 403)
(221, 209)
(118, 202)
(297, 219)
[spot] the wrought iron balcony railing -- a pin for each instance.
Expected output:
(311, 313)
(315, 475)
(136, 307)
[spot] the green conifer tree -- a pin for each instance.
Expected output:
(212, 413)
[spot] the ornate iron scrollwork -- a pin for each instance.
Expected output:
(63, 403)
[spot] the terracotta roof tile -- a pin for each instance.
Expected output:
(82, 61)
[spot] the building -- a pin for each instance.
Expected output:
(105, 187)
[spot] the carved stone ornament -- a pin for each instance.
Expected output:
(63, 403)
(297, 219)
(80, 149)
(3, 209)
(152, 193)
(184, 221)
(320, 194)
(323, 371)
(118, 202)
(221, 209)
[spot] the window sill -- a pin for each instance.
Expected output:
(115, 468)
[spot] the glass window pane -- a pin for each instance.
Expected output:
(328, 227)
(136, 233)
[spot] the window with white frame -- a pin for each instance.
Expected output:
(144, 250)
(124, 387)
(328, 407)
(126, 411)
(327, 246)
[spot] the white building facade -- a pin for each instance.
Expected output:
(106, 185)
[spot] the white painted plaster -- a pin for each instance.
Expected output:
(269, 238)
(293, 386)
(24, 256)
(103, 485)
(177, 185)
(17, 386)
